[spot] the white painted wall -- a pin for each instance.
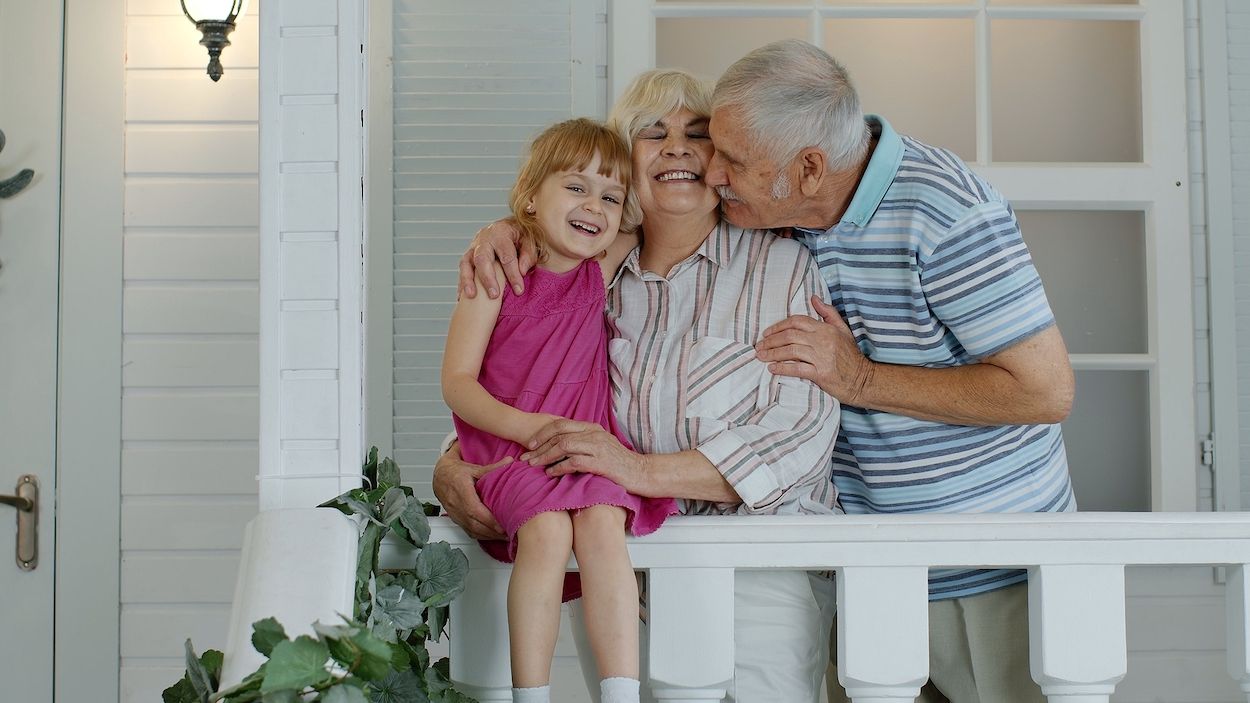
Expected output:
(190, 323)
(1238, 20)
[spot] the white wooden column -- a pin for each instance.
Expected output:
(883, 632)
(1238, 624)
(311, 262)
(1077, 642)
(691, 636)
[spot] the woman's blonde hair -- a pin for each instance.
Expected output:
(569, 146)
(649, 98)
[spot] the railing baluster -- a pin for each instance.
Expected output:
(883, 632)
(691, 636)
(1077, 642)
(479, 641)
(1237, 599)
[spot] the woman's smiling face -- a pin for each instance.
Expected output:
(670, 159)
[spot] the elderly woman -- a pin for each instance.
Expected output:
(709, 423)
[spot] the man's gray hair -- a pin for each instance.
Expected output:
(791, 95)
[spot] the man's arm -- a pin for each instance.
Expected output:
(981, 283)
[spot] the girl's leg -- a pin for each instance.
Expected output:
(609, 590)
(543, 545)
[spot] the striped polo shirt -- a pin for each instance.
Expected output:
(928, 268)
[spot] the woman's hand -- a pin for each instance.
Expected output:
(496, 242)
(568, 446)
(453, 486)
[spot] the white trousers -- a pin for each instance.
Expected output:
(781, 638)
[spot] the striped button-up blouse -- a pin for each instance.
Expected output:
(685, 376)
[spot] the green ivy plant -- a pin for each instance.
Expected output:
(378, 654)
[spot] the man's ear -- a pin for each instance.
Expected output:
(812, 167)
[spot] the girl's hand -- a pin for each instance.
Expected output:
(568, 446)
(495, 242)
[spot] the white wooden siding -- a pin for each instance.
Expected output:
(190, 324)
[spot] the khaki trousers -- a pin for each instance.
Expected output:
(978, 651)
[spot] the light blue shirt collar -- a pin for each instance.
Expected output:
(882, 168)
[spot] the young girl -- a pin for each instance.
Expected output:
(515, 363)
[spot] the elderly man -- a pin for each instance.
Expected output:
(940, 343)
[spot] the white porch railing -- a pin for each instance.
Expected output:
(1076, 593)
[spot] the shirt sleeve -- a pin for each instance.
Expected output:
(981, 284)
(784, 449)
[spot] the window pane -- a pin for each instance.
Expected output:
(918, 74)
(1108, 440)
(1093, 265)
(1065, 91)
(706, 46)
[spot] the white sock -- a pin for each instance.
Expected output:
(618, 689)
(537, 694)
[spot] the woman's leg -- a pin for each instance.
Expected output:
(543, 545)
(609, 590)
(781, 630)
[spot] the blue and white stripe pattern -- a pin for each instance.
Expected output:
(928, 268)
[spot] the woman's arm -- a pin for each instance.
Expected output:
(569, 446)
(467, 336)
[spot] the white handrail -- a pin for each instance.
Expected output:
(1076, 591)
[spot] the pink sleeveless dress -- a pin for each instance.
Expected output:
(548, 353)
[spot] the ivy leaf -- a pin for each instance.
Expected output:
(399, 687)
(197, 674)
(370, 467)
(414, 522)
(267, 633)
(181, 692)
(286, 695)
(367, 559)
(212, 661)
(342, 693)
(399, 605)
(394, 502)
(431, 509)
(441, 571)
(438, 679)
(247, 690)
(295, 664)
(357, 649)
(388, 473)
(436, 617)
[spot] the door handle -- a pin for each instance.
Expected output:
(12, 186)
(26, 500)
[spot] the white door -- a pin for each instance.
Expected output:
(30, 117)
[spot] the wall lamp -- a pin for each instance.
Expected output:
(215, 20)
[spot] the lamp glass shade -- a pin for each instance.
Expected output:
(214, 10)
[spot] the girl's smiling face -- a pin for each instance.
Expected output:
(579, 212)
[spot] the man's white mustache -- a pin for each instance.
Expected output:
(726, 193)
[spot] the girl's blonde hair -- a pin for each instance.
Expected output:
(570, 146)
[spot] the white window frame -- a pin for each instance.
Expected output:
(1157, 187)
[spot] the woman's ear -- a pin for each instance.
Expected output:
(529, 207)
